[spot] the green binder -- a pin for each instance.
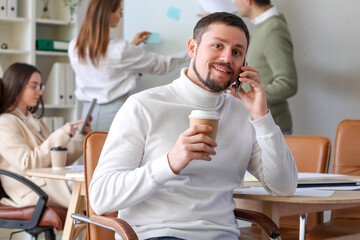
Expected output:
(52, 45)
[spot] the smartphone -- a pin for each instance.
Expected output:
(238, 84)
(88, 114)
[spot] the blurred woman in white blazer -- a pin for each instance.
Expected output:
(25, 140)
(107, 68)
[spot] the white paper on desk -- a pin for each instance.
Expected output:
(317, 175)
(211, 6)
(75, 175)
(76, 167)
(339, 188)
(313, 192)
(310, 192)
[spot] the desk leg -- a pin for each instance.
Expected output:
(75, 205)
(302, 227)
(272, 211)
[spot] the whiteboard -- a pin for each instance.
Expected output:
(141, 15)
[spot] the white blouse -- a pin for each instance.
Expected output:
(116, 74)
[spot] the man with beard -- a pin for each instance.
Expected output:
(171, 181)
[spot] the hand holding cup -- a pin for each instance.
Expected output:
(211, 118)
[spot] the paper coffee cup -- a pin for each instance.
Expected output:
(199, 117)
(58, 157)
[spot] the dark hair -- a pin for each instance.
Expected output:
(262, 2)
(12, 86)
(219, 17)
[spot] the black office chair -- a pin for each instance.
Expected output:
(31, 219)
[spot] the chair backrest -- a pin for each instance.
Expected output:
(93, 145)
(311, 154)
(347, 159)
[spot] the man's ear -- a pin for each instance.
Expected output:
(192, 47)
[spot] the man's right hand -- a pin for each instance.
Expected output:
(192, 144)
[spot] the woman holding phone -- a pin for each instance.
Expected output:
(106, 68)
(25, 140)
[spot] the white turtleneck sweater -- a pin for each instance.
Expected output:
(134, 177)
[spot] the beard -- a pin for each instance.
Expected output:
(210, 82)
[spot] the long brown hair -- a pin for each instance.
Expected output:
(12, 86)
(94, 35)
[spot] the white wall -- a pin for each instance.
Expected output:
(326, 36)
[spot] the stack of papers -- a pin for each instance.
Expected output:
(75, 175)
(78, 171)
(311, 192)
(76, 167)
(310, 184)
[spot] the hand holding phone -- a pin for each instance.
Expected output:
(88, 114)
(238, 84)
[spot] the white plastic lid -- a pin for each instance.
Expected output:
(204, 114)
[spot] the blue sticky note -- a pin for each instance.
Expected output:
(153, 38)
(173, 13)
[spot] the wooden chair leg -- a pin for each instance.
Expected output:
(84, 235)
(78, 229)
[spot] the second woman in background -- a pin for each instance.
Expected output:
(106, 68)
(26, 141)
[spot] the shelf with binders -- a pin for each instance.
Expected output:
(55, 30)
(59, 99)
(52, 31)
(20, 32)
(60, 86)
(15, 27)
(53, 40)
(44, 63)
(15, 10)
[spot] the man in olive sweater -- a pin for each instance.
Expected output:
(271, 52)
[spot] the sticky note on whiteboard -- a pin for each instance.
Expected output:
(153, 38)
(173, 13)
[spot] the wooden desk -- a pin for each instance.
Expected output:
(276, 206)
(77, 200)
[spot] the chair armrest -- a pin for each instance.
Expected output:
(127, 233)
(271, 229)
(39, 207)
(115, 224)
